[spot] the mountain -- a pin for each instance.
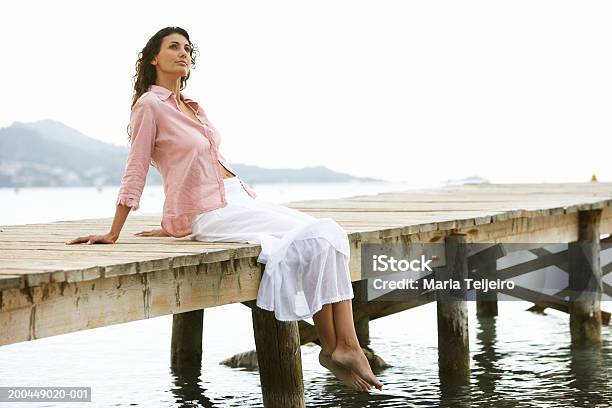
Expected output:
(48, 153)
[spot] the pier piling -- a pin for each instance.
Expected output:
(186, 347)
(453, 341)
(486, 303)
(585, 281)
(279, 359)
(362, 324)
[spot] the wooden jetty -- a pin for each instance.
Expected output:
(48, 288)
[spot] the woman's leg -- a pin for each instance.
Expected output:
(324, 325)
(348, 352)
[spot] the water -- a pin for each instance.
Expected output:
(39, 204)
(518, 359)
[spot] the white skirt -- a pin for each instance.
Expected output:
(306, 258)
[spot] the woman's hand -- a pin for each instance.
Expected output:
(94, 239)
(152, 233)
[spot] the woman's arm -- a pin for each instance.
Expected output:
(110, 237)
(144, 130)
(121, 214)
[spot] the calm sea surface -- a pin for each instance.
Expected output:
(519, 359)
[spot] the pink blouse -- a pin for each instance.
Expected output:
(185, 152)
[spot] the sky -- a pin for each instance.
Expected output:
(418, 91)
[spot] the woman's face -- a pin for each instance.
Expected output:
(174, 55)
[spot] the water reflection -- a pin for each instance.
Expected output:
(586, 375)
(486, 371)
(332, 394)
(187, 389)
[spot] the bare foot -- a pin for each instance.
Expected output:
(347, 377)
(354, 359)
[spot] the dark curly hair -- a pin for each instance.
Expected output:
(145, 71)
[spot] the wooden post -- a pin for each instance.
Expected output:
(485, 262)
(186, 347)
(585, 282)
(362, 324)
(280, 360)
(486, 303)
(453, 341)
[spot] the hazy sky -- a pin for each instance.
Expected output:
(513, 91)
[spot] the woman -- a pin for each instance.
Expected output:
(306, 273)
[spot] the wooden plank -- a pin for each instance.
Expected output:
(169, 245)
(65, 307)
